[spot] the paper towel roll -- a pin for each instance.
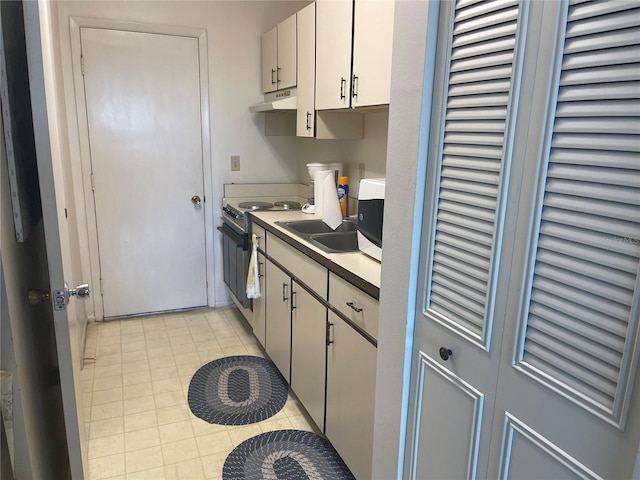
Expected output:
(318, 182)
(331, 211)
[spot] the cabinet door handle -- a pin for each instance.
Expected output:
(273, 73)
(308, 118)
(354, 86)
(260, 274)
(278, 74)
(329, 332)
(293, 300)
(343, 82)
(353, 307)
(284, 292)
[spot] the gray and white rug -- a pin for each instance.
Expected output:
(285, 455)
(237, 390)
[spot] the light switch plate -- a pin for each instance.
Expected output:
(235, 163)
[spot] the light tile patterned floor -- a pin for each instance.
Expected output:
(135, 396)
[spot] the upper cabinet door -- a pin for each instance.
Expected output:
(333, 53)
(372, 45)
(269, 60)
(306, 71)
(286, 69)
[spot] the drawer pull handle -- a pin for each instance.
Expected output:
(445, 353)
(357, 309)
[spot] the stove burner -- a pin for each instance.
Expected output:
(254, 205)
(288, 204)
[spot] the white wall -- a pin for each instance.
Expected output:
(406, 166)
(234, 29)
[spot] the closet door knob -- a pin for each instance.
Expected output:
(445, 353)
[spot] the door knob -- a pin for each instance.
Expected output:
(445, 353)
(196, 200)
(37, 296)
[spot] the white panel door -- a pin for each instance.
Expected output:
(568, 400)
(56, 191)
(143, 110)
(457, 335)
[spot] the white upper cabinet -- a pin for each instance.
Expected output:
(286, 71)
(333, 53)
(269, 60)
(279, 56)
(372, 45)
(306, 37)
(362, 31)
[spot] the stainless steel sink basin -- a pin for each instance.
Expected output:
(336, 241)
(342, 239)
(310, 227)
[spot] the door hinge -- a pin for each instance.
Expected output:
(82, 64)
(93, 183)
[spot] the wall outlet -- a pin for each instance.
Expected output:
(235, 163)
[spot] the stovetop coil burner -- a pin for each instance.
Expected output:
(256, 205)
(288, 205)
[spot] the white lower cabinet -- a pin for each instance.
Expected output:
(351, 385)
(308, 352)
(278, 318)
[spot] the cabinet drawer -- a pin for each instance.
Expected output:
(262, 236)
(354, 304)
(308, 271)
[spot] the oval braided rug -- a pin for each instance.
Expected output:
(237, 390)
(285, 455)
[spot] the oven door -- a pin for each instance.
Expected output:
(235, 252)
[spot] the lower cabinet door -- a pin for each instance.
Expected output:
(351, 385)
(278, 319)
(259, 304)
(308, 352)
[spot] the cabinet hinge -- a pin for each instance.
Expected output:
(82, 64)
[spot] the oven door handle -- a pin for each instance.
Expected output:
(233, 235)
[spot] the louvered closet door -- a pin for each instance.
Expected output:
(469, 168)
(568, 398)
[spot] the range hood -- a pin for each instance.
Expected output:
(282, 100)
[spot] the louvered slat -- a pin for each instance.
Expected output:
(479, 86)
(588, 247)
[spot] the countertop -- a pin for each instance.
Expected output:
(355, 267)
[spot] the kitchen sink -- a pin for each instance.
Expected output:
(310, 227)
(336, 241)
(342, 239)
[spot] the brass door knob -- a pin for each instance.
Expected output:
(196, 200)
(37, 296)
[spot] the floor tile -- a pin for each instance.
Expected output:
(176, 431)
(189, 470)
(107, 410)
(107, 371)
(137, 356)
(107, 396)
(240, 434)
(143, 459)
(213, 464)
(106, 467)
(169, 399)
(133, 337)
(136, 391)
(214, 443)
(140, 421)
(136, 378)
(107, 383)
(139, 405)
(173, 414)
(180, 451)
(136, 366)
(152, 474)
(105, 428)
(103, 359)
(106, 446)
(139, 439)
